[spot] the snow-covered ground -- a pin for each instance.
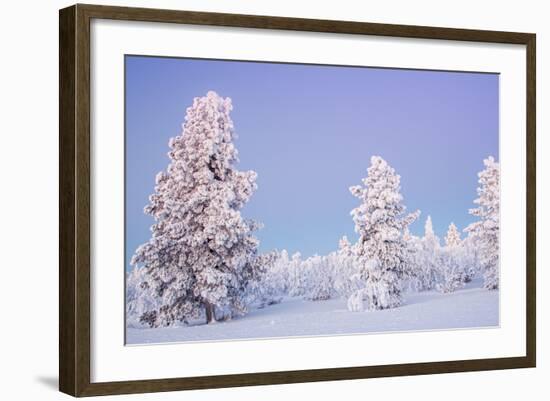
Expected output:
(471, 306)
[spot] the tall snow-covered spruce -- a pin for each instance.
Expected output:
(381, 251)
(200, 258)
(486, 230)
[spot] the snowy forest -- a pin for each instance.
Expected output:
(202, 263)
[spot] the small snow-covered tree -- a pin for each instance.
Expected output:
(346, 276)
(297, 277)
(201, 254)
(268, 286)
(140, 297)
(280, 272)
(451, 267)
(470, 257)
(320, 273)
(381, 250)
(487, 229)
(430, 239)
(344, 246)
(428, 274)
(415, 262)
(452, 239)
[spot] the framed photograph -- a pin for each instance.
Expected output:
(250, 200)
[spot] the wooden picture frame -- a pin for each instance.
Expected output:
(74, 200)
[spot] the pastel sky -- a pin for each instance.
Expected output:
(309, 132)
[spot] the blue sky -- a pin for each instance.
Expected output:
(309, 132)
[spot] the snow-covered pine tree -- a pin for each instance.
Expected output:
(487, 229)
(451, 267)
(281, 272)
(429, 235)
(201, 252)
(470, 257)
(346, 277)
(415, 263)
(381, 250)
(297, 277)
(430, 257)
(320, 277)
(267, 287)
(452, 239)
(140, 297)
(344, 246)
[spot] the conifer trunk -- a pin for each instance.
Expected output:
(210, 313)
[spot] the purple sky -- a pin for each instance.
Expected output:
(309, 132)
